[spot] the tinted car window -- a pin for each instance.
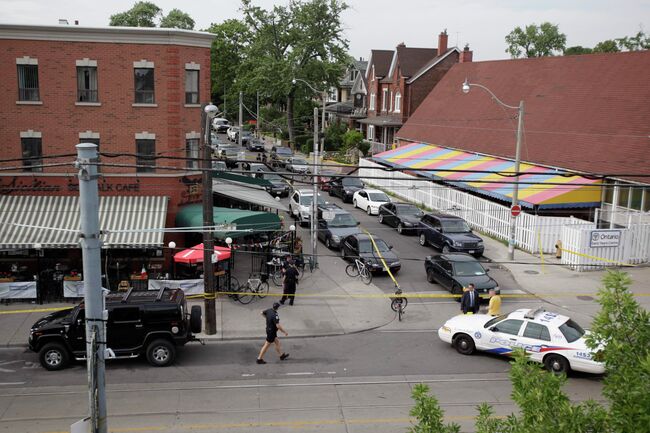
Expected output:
(455, 226)
(571, 331)
(495, 320)
(365, 246)
(352, 181)
(404, 209)
(467, 269)
(510, 326)
(537, 331)
(342, 220)
(124, 314)
(283, 151)
(378, 196)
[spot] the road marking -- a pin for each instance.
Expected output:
(305, 373)
(248, 375)
(11, 383)
(423, 331)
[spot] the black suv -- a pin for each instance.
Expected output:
(457, 270)
(150, 323)
(345, 187)
(334, 224)
(449, 233)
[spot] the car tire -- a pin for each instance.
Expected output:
(556, 364)
(400, 229)
(423, 239)
(431, 276)
(343, 253)
(54, 356)
(464, 344)
(381, 219)
(331, 194)
(328, 243)
(445, 249)
(196, 319)
(369, 210)
(161, 353)
(354, 203)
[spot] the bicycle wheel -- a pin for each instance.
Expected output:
(246, 295)
(400, 312)
(262, 289)
(277, 277)
(366, 275)
(233, 289)
(395, 304)
(352, 270)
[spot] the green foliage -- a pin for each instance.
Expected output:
(535, 41)
(364, 147)
(578, 49)
(142, 14)
(177, 19)
(428, 413)
(352, 138)
(334, 134)
(638, 42)
(621, 333)
(608, 46)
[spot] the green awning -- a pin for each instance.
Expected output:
(238, 222)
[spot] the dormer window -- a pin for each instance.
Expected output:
(397, 108)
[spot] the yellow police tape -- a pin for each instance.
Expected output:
(602, 259)
(383, 262)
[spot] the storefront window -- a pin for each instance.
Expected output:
(623, 195)
(636, 194)
(646, 202)
(609, 194)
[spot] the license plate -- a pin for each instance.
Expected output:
(471, 251)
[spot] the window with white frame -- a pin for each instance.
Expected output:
(28, 89)
(144, 82)
(192, 83)
(371, 132)
(384, 100)
(192, 149)
(32, 150)
(145, 149)
(397, 108)
(373, 102)
(87, 80)
(391, 101)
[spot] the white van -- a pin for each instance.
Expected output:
(220, 124)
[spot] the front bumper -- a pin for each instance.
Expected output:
(476, 251)
(379, 267)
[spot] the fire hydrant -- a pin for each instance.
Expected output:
(558, 249)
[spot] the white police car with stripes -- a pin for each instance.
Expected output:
(549, 338)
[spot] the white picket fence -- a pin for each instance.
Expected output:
(534, 233)
(634, 247)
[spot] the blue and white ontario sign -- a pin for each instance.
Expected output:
(605, 238)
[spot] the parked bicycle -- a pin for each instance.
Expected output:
(359, 269)
(275, 270)
(253, 287)
(398, 303)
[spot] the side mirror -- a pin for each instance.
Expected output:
(487, 270)
(438, 229)
(449, 272)
(390, 247)
(358, 222)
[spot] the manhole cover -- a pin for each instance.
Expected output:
(531, 272)
(586, 298)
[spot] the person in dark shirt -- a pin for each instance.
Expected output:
(272, 326)
(289, 281)
(470, 301)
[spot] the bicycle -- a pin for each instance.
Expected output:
(276, 273)
(253, 287)
(359, 269)
(399, 303)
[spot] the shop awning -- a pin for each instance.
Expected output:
(195, 254)
(540, 187)
(235, 222)
(53, 221)
(247, 193)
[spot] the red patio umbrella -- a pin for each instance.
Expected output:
(195, 254)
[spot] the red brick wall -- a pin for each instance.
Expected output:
(421, 87)
(60, 121)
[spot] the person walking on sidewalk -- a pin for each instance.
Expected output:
(494, 306)
(470, 301)
(289, 281)
(272, 326)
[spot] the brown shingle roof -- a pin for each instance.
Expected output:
(412, 59)
(588, 113)
(381, 59)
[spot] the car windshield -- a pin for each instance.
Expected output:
(218, 165)
(571, 331)
(306, 200)
(468, 269)
(299, 161)
(494, 320)
(377, 196)
(455, 226)
(283, 151)
(342, 220)
(407, 209)
(365, 246)
(352, 181)
(271, 176)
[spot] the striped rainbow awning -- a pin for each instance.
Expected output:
(540, 187)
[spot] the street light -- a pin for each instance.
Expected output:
(323, 94)
(37, 277)
(515, 190)
(172, 246)
(292, 229)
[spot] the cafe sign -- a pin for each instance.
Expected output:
(605, 238)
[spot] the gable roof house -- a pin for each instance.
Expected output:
(398, 82)
(586, 115)
(342, 98)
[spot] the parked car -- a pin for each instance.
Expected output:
(296, 165)
(231, 155)
(219, 149)
(150, 323)
(300, 205)
(325, 179)
(454, 271)
(548, 338)
(246, 137)
(345, 187)
(219, 166)
(369, 200)
(359, 246)
(232, 132)
(449, 233)
(279, 156)
(334, 224)
(255, 145)
(220, 124)
(404, 216)
(278, 187)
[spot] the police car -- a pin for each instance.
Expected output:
(549, 338)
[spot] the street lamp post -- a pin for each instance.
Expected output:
(512, 235)
(172, 247)
(37, 277)
(323, 95)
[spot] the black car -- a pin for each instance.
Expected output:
(404, 216)
(360, 246)
(255, 145)
(345, 187)
(334, 224)
(279, 156)
(457, 270)
(278, 187)
(449, 233)
(150, 323)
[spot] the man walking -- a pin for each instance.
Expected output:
(289, 281)
(272, 325)
(470, 301)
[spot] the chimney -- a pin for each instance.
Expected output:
(442, 42)
(466, 55)
(401, 44)
(76, 22)
(63, 22)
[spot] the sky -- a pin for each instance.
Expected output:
(382, 24)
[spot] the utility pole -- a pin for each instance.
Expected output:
(322, 124)
(224, 100)
(241, 117)
(314, 202)
(93, 296)
(257, 116)
(515, 189)
(209, 111)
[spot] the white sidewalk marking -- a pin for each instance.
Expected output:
(305, 373)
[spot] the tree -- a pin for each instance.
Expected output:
(428, 413)
(177, 19)
(142, 14)
(578, 49)
(638, 42)
(608, 46)
(535, 41)
(621, 334)
(302, 40)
